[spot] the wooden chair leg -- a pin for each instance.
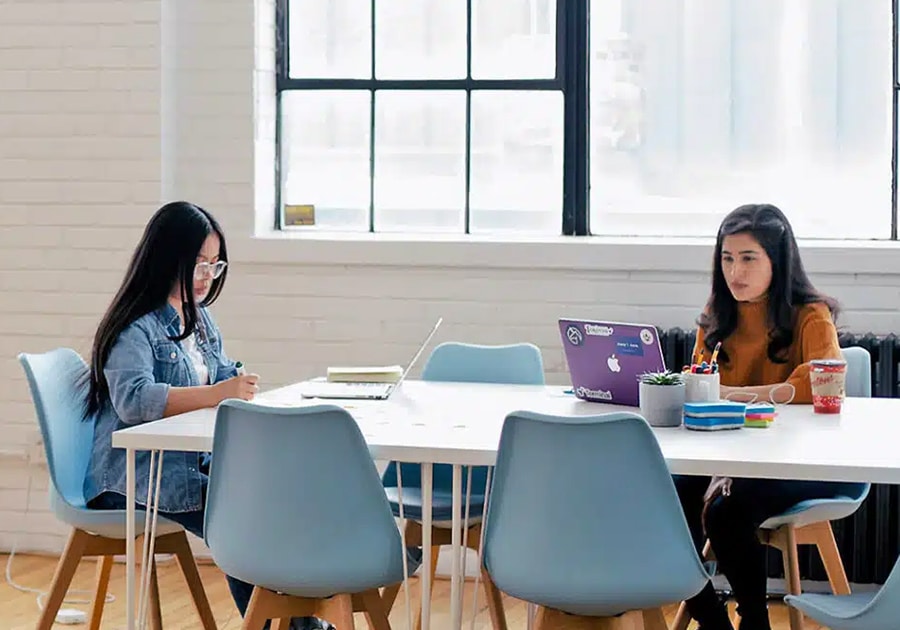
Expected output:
(493, 595)
(154, 608)
(548, 619)
(65, 570)
(831, 559)
(373, 607)
(104, 567)
(178, 544)
(337, 610)
(654, 619)
(256, 616)
(494, 601)
(389, 595)
(791, 571)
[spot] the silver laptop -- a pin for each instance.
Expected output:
(368, 391)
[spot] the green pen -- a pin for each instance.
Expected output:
(241, 371)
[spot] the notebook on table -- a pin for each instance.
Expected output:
(366, 390)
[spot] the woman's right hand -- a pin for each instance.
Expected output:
(243, 387)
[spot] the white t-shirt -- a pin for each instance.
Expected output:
(196, 357)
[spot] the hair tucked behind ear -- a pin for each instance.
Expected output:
(164, 257)
(790, 287)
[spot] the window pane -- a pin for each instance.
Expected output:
(420, 39)
(700, 106)
(325, 155)
(517, 156)
(331, 39)
(513, 39)
(420, 143)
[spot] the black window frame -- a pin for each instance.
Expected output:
(572, 80)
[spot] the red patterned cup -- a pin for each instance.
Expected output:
(827, 377)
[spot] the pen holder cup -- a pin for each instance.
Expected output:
(701, 387)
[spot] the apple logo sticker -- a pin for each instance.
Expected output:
(613, 364)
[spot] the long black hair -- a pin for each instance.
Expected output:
(790, 287)
(164, 258)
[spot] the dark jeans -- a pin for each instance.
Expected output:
(731, 526)
(193, 522)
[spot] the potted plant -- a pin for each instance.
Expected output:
(662, 398)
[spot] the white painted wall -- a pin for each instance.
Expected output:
(107, 107)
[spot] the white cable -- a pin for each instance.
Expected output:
(41, 594)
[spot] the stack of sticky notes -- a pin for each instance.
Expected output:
(714, 416)
(760, 415)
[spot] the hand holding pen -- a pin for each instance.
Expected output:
(243, 385)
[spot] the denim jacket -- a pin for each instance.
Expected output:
(142, 365)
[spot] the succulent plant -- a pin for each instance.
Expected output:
(662, 378)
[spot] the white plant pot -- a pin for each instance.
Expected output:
(662, 405)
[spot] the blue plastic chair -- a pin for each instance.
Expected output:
(861, 611)
(516, 364)
(58, 383)
(584, 518)
(809, 522)
(295, 506)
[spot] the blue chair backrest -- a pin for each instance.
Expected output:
(858, 384)
(58, 380)
(583, 516)
(884, 609)
(859, 372)
(295, 501)
(513, 364)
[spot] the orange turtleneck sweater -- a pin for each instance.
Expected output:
(815, 337)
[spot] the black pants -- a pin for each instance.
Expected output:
(731, 526)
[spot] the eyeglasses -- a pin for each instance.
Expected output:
(205, 270)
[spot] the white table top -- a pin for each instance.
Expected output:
(459, 423)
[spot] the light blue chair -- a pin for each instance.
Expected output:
(861, 611)
(515, 364)
(584, 519)
(295, 507)
(58, 383)
(809, 522)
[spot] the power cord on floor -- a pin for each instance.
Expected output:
(65, 615)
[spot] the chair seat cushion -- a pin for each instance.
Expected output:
(814, 511)
(829, 608)
(441, 504)
(110, 523)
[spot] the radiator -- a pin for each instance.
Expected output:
(869, 541)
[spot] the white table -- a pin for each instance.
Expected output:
(459, 424)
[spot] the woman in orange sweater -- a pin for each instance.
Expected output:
(771, 323)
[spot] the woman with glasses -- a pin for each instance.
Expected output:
(158, 353)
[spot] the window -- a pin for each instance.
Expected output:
(423, 115)
(611, 117)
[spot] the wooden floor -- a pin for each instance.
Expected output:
(19, 610)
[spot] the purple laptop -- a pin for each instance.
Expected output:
(606, 358)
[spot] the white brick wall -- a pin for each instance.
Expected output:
(108, 106)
